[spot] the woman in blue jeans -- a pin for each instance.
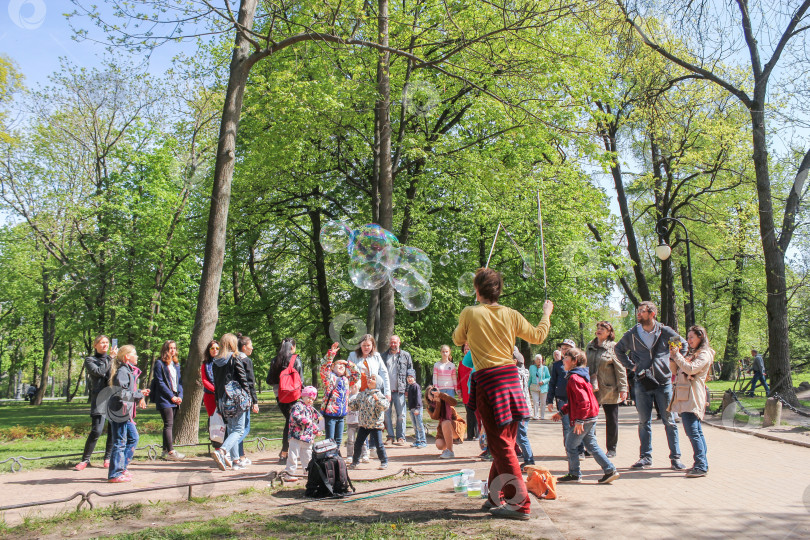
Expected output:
(689, 394)
(228, 368)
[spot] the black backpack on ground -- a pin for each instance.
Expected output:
(327, 475)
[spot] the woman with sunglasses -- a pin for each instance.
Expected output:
(207, 376)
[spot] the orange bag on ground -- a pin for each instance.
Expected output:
(541, 482)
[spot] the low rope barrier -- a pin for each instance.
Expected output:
(152, 451)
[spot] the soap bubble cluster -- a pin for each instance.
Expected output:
(376, 257)
(465, 284)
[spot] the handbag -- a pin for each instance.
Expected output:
(534, 387)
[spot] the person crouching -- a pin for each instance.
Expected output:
(451, 427)
(303, 430)
(371, 405)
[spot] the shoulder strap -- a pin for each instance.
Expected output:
(319, 468)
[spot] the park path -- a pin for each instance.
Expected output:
(755, 488)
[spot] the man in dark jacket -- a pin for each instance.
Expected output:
(398, 363)
(644, 349)
(98, 372)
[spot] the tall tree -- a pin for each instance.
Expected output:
(786, 23)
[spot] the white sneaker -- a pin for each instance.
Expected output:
(383, 466)
(237, 467)
(447, 454)
(365, 459)
(245, 461)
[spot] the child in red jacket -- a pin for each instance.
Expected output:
(582, 410)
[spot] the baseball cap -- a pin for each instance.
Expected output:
(569, 342)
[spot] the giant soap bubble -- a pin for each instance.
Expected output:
(419, 300)
(411, 257)
(368, 275)
(407, 281)
(371, 243)
(465, 284)
(444, 260)
(335, 236)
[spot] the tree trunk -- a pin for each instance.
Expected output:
(187, 425)
(731, 354)
(320, 274)
(609, 139)
(777, 303)
(669, 314)
(386, 180)
(69, 369)
(48, 335)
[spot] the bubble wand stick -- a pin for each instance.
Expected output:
(542, 244)
(493, 243)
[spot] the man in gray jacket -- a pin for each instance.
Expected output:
(645, 350)
(398, 363)
(758, 368)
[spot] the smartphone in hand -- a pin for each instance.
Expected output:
(114, 343)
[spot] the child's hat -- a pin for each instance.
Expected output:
(344, 362)
(309, 391)
(411, 373)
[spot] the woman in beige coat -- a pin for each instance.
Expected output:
(689, 394)
(609, 380)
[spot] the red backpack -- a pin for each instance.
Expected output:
(289, 383)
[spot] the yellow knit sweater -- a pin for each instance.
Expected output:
(490, 332)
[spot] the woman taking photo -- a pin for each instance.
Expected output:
(689, 394)
(609, 380)
(490, 329)
(98, 369)
(168, 395)
(286, 355)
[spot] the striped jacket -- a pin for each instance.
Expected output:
(503, 390)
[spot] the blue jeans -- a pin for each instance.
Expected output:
(333, 426)
(244, 436)
(588, 438)
(398, 406)
(236, 428)
(125, 439)
(523, 441)
(418, 426)
(566, 425)
(694, 430)
(375, 440)
(644, 405)
(759, 377)
(449, 391)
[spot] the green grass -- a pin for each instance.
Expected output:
(55, 428)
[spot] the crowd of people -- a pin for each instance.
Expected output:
(368, 393)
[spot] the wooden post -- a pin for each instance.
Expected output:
(773, 413)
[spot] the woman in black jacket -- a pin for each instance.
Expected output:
(245, 345)
(98, 369)
(286, 354)
(228, 367)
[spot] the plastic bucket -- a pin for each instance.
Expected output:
(460, 484)
(474, 489)
(468, 474)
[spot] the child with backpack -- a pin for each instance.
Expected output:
(303, 431)
(370, 404)
(337, 377)
(414, 393)
(582, 410)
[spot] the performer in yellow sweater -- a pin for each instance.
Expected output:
(490, 330)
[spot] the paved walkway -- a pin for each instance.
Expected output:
(755, 488)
